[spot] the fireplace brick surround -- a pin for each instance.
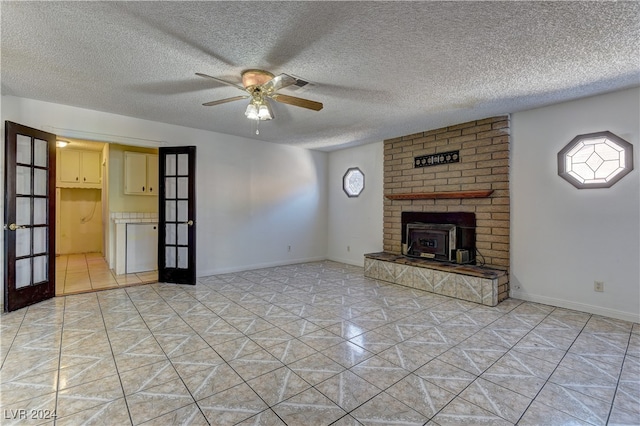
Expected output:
(483, 166)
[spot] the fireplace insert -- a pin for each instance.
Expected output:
(448, 237)
(431, 240)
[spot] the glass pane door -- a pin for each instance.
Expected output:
(176, 239)
(29, 231)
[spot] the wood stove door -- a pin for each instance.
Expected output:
(177, 215)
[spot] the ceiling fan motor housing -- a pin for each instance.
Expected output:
(255, 77)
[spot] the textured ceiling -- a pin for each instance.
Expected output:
(382, 69)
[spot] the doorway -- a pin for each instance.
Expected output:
(36, 175)
(92, 203)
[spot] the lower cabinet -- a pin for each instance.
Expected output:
(142, 247)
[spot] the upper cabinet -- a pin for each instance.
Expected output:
(140, 173)
(79, 169)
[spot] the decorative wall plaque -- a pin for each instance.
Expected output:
(437, 159)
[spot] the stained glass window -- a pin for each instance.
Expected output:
(353, 182)
(595, 160)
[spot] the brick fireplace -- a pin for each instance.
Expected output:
(477, 182)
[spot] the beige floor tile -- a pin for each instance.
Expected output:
(77, 288)
(96, 267)
(309, 407)
(147, 277)
(75, 282)
(112, 412)
(88, 395)
(94, 256)
(128, 279)
(158, 400)
(78, 273)
(102, 276)
(101, 285)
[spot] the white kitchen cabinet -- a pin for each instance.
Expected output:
(142, 247)
(140, 173)
(79, 169)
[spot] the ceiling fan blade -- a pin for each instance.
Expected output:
(224, 101)
(279, 82)
(299, 102)
(228, 83)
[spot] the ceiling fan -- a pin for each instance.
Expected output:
(262, 85)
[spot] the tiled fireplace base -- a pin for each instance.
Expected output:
(467, 282)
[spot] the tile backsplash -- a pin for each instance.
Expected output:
(132, 217)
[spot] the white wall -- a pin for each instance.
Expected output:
(80, 221)
(355, 224)
(254, 199)
(257, 200)
(563, 238)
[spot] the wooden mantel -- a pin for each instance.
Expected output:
(436, 195)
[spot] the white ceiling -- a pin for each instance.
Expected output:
(382, 69)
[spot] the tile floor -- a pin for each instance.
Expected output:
(80, 273)
(312, 344)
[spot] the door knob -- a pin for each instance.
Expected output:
(13, 227)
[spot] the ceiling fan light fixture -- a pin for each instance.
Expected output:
(251, 112)
(260, 111)
(264, 112)
(262, 85)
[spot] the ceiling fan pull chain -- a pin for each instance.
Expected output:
(257, 125)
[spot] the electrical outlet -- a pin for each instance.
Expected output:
(289, 248)
(598, 286)
(348, 248)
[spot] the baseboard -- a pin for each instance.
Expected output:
(583, 307)
(230, 270)
(347, 261)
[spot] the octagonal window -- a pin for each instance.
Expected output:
(353, 182)
(595, 160)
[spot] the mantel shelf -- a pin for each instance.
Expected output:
(436, 195)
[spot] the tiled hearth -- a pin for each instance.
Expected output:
(467, 282)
